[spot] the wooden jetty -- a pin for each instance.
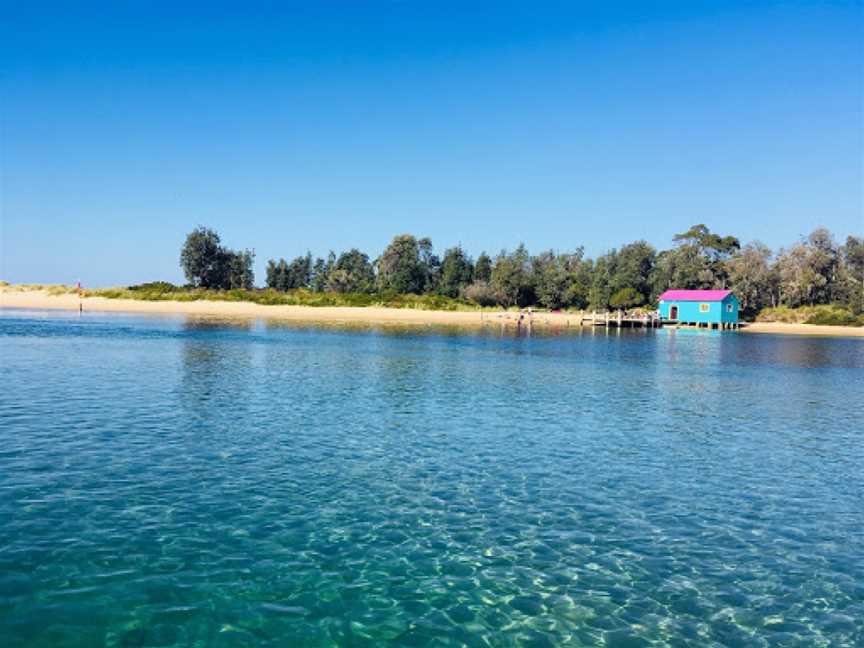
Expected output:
(620, 319)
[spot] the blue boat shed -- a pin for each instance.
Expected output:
(701, 308)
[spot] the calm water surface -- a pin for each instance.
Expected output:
(172, 482)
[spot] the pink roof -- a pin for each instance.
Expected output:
(695, 295)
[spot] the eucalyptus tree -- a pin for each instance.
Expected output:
(400, 267)
(697, 261)
(634, 264)
(203, 259)
(207, 264)
(555, 276)
(283, 276)
(852, 254)
(600, 292)
(241, 273)
(483, 267)
(511, 278)
(352, 272)
(753, 277)
(457, 271)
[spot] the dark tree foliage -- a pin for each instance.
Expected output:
(207, 264)
(241, 273)
(430, 264)
(700, 259)
(552, 278)
(457, 272)
(754, 279)
(852, 274)
(401, 268)
(626, 297)
(202, 258)
(352, 272)
(483, 268)
(512, 279)
(320, 270)
(284, 276)
(634, 264)
(814, 271)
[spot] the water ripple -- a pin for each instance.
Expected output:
(171, 482)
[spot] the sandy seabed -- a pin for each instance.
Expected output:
(36, 299)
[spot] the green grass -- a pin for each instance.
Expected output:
(161, 291)
(825, 314)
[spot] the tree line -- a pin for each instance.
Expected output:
(815, 270)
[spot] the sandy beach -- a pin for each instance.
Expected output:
(38, 299)
(803, 329)
(35, 299)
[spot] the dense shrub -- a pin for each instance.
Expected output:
(825, 314)
(479, 292)
(154, 286)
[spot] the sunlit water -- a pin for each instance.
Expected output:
(168, 482)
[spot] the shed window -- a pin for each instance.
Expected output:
(704, 308)
(728, 308)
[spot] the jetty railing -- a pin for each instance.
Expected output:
(622, 319)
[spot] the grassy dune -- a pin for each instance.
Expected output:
(824, 315)
(166, 292)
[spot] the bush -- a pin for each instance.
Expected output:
(826, 315)
(626, 297)
(479, 292)
(162, 291)
(154, 286)
(833, 316)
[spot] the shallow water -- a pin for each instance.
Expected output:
(178, 482)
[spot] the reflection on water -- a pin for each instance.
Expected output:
(177, 482)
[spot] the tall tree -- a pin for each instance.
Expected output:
(431, 265)
(853, 273)
(278, 275)
(511, 278)
(202, 258)
(697, 261)
(554, 276)
(634, 264)
(808, 270)
(752, 277)
(483, 268)
(578, 292)
(400, 267)
(456, 272)
(207, 264)
(240, 269)
(600, 293)
(320, 271)
(352, 272)
(299, 272)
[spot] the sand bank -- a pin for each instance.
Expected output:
(37, 299)
(803, 329)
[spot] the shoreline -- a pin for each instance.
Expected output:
(817, 330)
(41, 300)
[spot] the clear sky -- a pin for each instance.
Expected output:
(309, 126)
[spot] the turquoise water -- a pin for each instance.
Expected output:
(172, 482)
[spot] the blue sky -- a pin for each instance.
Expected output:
(291, 127)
